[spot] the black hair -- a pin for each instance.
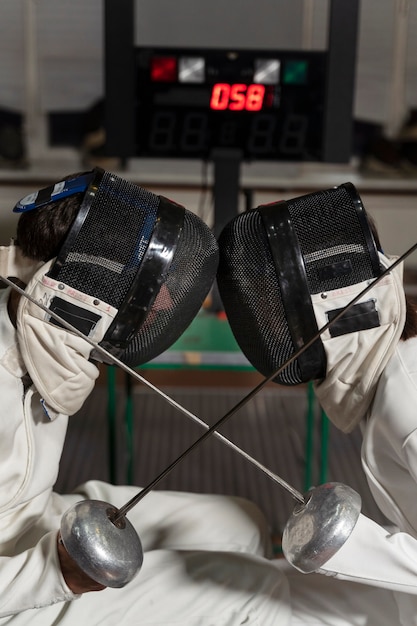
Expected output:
(41, 232)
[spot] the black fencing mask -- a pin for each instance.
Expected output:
(274, 258)
(134, 268)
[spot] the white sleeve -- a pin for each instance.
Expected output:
(374, 556)
(33, 578)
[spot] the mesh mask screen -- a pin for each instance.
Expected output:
(250, 291)
(330, 233)
(109, 248)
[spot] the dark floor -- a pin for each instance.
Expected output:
(272, 427)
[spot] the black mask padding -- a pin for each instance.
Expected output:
(274, 257)
(146, 256)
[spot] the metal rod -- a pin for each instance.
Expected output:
(110, 357)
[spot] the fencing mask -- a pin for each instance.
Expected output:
(133, 270)
(289, 267)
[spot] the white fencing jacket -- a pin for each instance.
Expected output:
(371, 380)
(30, 450)
(372, 554)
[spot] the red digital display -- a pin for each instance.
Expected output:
(237, 97)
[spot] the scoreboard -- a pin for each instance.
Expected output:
(266, 104)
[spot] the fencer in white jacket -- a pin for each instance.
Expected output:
(371, 383)
(378, 393)
(301, 263)
(205, 557)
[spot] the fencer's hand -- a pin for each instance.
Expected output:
(76, 579)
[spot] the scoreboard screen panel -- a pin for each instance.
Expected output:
(268, 105)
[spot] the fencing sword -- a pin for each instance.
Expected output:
(135, 374)
(106, 546)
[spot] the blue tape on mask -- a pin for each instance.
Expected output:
(54, 193)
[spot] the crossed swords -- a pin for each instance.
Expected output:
(213, 430)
